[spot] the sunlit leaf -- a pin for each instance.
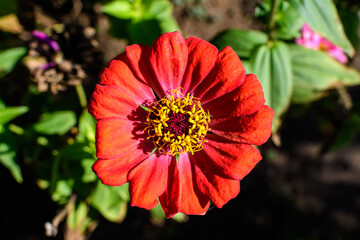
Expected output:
(9, 113)
(322, 17)
(272, 64)
(86, 127)
(121, 9)
(315, 72)
(110, 201)
(242, 41)
(9, 58)
(63, 190)
(59, 122)
(8, 154)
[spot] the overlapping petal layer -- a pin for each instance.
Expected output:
(227, 74)
(111, 101)
(168, 59)
(114, 171)
(202, 57)
(228, 160)
(243, 100)
(220, 190)
(252, 129)
(119, 73)
(182, 193)
(148, 181)
(115, 136)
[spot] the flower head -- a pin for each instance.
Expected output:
(178, 121)
(313, 40)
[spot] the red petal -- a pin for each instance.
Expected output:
(168, 59)
(115, 136)
(227, 74)
(182, 194)
(148, 181)
(228, 160)
(139, 58)
(251, 129)
(202, 57)
(219, 190)
(119, 73)
(111, 101)
(243, 100)
(114, 172)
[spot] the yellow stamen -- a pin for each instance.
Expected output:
(194, 124)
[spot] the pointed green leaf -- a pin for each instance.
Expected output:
(242, 41)
(315, 72)
(87, 126)
(322, 17)
(121, 9)
(9, 58)
(9, 113)
(59, 122)
(8, 154)
(110, 201)
(272, 64)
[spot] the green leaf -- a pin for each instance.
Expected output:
(160, 9)
(242, 41)
(9, 58)
(169, 24)
(121, 9)
(322, 17)
(8, 155)
(9, 113)
(272, 65)
(143, 20)
(315, 72)
(145, 31)
(87, 126)
(110, 201)
(59, 122)
(77, 218)
(288, 21)
(88, 175)
(63, 190)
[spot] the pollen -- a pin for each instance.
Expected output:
(177, 124)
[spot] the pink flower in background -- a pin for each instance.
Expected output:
(311, 39)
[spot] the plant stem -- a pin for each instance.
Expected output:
(54, 173)
(81, 94)
(274, 5)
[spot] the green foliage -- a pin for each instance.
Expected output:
(9, 58)
(8, 152)
(110, 201)
(287, 20)
(140, 21)
(272, 64)
(315, 72)
(322, 17)
(8, 145)
(9, 113)
(242, 41)
(59, 122)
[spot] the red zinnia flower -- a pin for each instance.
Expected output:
(178, 121)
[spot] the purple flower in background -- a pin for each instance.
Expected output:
(42, 37)
(313, 40)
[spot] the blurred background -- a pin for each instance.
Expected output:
(51, 51)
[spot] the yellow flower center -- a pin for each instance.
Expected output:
(177, 124)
